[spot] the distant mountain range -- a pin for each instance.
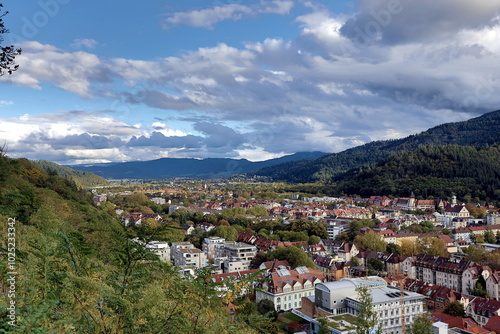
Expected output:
(476, 132)
(461, 158)
(188, 168)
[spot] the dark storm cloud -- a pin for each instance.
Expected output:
(406, 21)
(219, 136)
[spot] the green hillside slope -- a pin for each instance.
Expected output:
(476, 132)
(81, 178)
(430, 170)
(70, 267)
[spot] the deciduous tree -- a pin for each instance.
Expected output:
(475, 253)
(8, 53)
(421, 325)
(295, 256)
(366, 319)
(432, 246)
(370, 240)
(455, 309)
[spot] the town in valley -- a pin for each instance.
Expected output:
(305, 256)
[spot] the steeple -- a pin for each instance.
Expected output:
(412, 201)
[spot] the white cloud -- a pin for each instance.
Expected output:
(69, 71)
(5, 103)
(84, 43)
(322, 90)
(209, 17)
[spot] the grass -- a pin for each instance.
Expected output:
(292, 317)
(347, 317)
(335, 323)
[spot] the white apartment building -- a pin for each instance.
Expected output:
(493, 219)
(334, 228)
(185, 254)
(160, 248)
(341, 297)
(210, 245)
(233, 249)
(234, 265)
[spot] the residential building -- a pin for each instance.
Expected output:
(458, 324)
(233, 249)
(234, 264)
(482, 309)
(334, 228)
(441, 270)
(160, 248)
(318, 249)
(188, 229)
(185, 254)
(471, 276)
(231, 277)
(331, 269)
(408, 267)
(347, 251)
(344, 250)
(393, 263)
(493, 219)
(286, 286)
(492, 285)
(210, 244)
(493, 324)
(158, 200)
(438, 297)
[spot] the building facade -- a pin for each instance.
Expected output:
(186, 255)
(341, 297)
(286, 287)
(160, 248)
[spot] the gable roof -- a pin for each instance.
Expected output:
(467, 324)
(493, 324)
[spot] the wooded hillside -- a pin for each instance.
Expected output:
(77, 270)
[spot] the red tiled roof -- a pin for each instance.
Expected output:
(493, 324)
(467, 324)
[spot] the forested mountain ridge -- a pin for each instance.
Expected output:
(81, 178)
(430, 171)
(477, 132)
(76, 269)
(187, 167)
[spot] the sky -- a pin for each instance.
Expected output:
(111, 81)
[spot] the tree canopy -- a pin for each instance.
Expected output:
(8, 53)
(455, 309)
(421, 325)
(294, 255)
(80, 271)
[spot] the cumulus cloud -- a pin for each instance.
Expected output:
(327, 89)
(209, 17)
(70, 71)
(403, 21)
